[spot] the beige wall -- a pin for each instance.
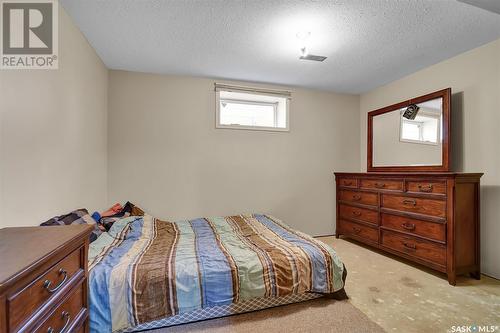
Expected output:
(474, 77)
(166, 155)
(53, 134)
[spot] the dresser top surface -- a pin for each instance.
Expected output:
(409, 174)
(24, 248)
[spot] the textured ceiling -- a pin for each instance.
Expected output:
(491, 5)
(368, 42)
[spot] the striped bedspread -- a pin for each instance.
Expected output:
(145, 269)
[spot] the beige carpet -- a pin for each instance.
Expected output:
(319, 315)
(405, 297)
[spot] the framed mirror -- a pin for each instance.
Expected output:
(413, 135)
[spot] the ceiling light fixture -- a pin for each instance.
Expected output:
(304, 51)
(303, 36)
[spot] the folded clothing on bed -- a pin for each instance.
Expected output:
(145, 269)
(101, 222)
(116, 212)
(79, 216)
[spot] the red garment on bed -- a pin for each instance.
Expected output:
(116, 208)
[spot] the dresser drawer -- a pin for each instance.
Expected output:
(432, 230)
(359, 230)
(362, 214)
(65, 315)
(348, 182)
(365, 198)
(431, 207)
(81, 329)
(415, 247)
(426, 186)
(32, 297)
(382, 184)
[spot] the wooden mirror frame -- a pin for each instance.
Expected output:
(445, 94)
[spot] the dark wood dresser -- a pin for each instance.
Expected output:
(429, 218)
(43, 279)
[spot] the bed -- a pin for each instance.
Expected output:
(146, 273)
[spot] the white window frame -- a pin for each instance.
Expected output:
(421, 129)
(256, 91)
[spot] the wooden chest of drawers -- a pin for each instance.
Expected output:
(43, 279)
(429, 218)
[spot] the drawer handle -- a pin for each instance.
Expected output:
(409, 246)
(356, 213)
(67, 316)
(356, 230)
(408, 226)
(356, 197)
(347, 183)
(423, 188)
(410, 202)
(379, 185)
(48, 283)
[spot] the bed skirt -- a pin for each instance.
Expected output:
(253, 304)
(224, 310)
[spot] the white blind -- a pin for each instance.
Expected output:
(251, 90)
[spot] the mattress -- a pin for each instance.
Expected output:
(144, 270)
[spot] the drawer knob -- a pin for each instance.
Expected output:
(356, 213)
(409, 246)
(67, 317)
(356, 230)
(423, 188)
(408, 226)
(48, 283)
(356, 197)
(379, 185)
(410, 202)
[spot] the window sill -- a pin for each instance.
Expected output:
(253, 128)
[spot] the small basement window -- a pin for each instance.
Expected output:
(251, 109)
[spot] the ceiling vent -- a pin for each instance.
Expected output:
(313, 57)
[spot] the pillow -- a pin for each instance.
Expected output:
(79, 216)
(120, 229)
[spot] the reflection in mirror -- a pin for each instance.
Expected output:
(425, 128)
(399, 140)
